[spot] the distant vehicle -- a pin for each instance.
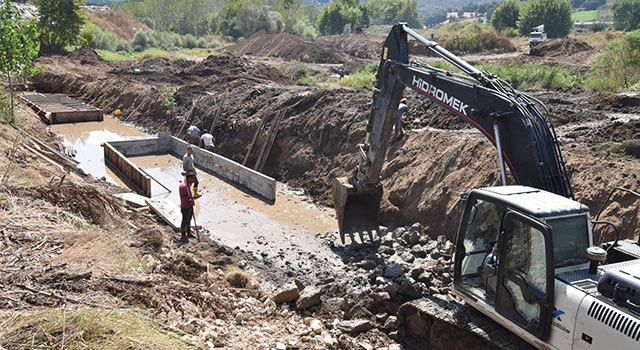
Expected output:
(537, 36)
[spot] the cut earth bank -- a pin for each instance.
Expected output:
(423, 178)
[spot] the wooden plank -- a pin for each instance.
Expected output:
(133, 199)
(167, 210)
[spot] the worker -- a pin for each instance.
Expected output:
(186, 206)
(207, 141)
(401, 115)
(193, 135)
(189, 167)
(492, 258)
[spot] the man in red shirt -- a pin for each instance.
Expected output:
(186, 206)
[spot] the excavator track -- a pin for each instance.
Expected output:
(437, 324)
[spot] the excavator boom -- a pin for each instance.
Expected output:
(509, 119)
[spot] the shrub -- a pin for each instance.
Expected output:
(308, 81)
(168, 96)
(142, 41)
(618, 66)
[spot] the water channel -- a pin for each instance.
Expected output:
(229, 214)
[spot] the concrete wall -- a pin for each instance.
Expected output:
(205, 160)
(125, 169)
(228, 169)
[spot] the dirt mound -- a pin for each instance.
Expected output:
(85, 55)
(560, 47)
(119, 23)
(288, 47)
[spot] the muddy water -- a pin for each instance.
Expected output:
(226, 213)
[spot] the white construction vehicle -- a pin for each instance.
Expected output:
(537, 35)
(545, 281)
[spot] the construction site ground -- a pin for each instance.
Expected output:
(70, 251)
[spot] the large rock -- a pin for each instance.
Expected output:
(354, 326)
(288, 292)
(309, 297)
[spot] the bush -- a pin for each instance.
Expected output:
(5, 107)
(618, 66)
(308, 81)
(142, 41)
(474, 37)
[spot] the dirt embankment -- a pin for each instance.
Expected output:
(424, 174)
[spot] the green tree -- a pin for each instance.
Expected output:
(435, 18)
(340, 15)
(505, 15)
(554, 14)
(59, 23)
(618, 67)
(626, 14)
(392, 11)
(18, 47)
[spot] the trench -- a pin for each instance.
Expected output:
(287, 229)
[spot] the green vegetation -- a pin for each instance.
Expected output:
(584, 16)
(474, 37)
(617, 68)
(554, 14)
(526, 76)
(627, 147)
(86, 329)
(18, 49)
(168, 96)
(626, 14)
(361, 79)
(506, 15)
(59, 23)
(536, 76)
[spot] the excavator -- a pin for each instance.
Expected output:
(525, 253)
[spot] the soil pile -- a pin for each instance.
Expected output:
(122, 24)
(288, 47)
(560, 47)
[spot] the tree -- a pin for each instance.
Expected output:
(340, 14)
(506, 15)
(626, 14)
(435, 18)
(18, 47)
(59, 23)
(554, 14)
(392, 11)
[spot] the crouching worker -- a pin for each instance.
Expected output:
(186, 206)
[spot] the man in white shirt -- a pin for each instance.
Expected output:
(207, 140)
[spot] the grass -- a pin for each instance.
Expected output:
(618, 149)
(536, 75)
(583, 16)
(85, 328)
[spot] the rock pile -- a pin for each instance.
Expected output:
(377, 278)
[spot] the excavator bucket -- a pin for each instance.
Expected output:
(357, 211)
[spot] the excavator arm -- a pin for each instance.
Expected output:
(524, 138)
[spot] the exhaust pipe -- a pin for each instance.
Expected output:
(357, 211)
